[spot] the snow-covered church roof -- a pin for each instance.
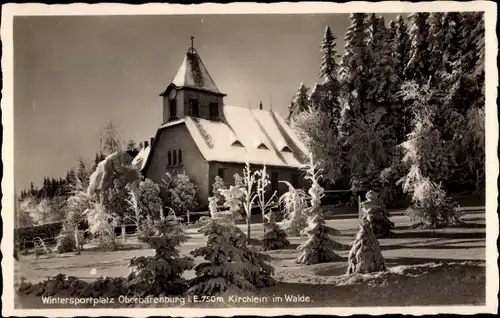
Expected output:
(193, 74)
(259, 136)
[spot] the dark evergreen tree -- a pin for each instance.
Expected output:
(326, 93)
(354, 70)
(274, 237)
(224, 268)
(417, 68)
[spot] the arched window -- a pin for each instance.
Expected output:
(169, 158)
(180, 156)
(174, 158)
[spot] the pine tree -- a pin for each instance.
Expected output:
(110, 141)
(319, 246)
(83, 173)
(365, 256)
(326, 94)
(161, 274)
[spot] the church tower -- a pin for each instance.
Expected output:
(192, 92)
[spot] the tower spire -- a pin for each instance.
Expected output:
(192, 44)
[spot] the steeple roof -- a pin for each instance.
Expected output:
(193, 74)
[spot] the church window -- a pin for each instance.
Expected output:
(193, 103)
(173, 108)
(214, 110)
(180, 156)
(169, 158)
(174, 158)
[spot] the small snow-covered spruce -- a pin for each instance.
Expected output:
(319, 246)
(365, 255)
(161, 274)
(274, 238)
(294, 204)
(376, 215)
(217, 186)
(224, 268)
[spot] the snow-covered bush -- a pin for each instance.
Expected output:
(181, 192)
(161, 274)
(376, 215)
(144, 200)
(294, 204)
(102, 225)
(318, 248)
(69, 239)
(365, 255)
(217, 186)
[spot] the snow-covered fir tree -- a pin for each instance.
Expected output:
(160, 274)
(376, 215)
(299, 103)
(318, 248)
(365, 256)
(430, 158)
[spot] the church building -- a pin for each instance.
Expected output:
(205, 138)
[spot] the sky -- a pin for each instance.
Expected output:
(74, 74)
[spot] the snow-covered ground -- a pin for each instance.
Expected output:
(440, 267)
